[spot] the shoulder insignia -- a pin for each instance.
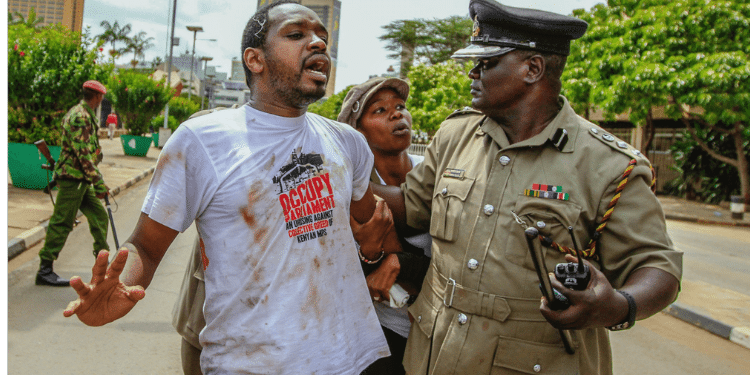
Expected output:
(463, 111)
(615, 143)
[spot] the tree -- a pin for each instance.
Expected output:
(436, 91)
(31, 21)
(403, 37)
(138, 98)
(156, 62)
(425, 41)
(47, 67)
(330, 107)
(138, 45)
(690, 56)
(112, 34)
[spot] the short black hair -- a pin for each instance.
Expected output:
(255, 33)
(89, 94)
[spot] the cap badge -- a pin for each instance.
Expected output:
(476, 30)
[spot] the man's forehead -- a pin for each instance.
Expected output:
(292, 14)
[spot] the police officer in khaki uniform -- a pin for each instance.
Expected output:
(524, 159)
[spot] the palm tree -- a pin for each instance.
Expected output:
(32, 21)
(113, 33)
(138, 45)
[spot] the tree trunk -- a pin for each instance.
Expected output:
(407, 59)
(650, 132)
(742, 164)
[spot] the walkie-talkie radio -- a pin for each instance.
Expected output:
(574, 276)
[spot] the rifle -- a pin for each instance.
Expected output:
(41, 145)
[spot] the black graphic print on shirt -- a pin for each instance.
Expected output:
(306, 197)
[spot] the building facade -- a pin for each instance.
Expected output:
(329, 12)
(69, 13)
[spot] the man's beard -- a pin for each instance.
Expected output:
(287, 85)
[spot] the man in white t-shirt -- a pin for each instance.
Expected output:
(270, 188)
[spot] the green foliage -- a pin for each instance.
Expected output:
(693, 162)
(425, 41)
(436, 92)
(47, 67)
(158, 121)
(678, 54)
(181, 109)
(331, 107)
(137, 98)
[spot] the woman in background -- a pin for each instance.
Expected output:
(377, 109)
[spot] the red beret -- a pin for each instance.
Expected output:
(95, 85)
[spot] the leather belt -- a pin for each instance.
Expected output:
(475, 302)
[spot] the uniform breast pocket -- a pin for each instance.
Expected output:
(551, 217)
(447, 205)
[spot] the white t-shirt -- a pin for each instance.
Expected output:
(397, 318)
(270, 197)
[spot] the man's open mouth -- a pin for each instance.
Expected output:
(317, 66)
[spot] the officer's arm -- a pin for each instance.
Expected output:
(373, 226)
(600, 305)
(395, 199)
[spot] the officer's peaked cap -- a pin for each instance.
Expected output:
(499, 29)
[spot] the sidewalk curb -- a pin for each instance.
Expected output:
(694, 219)
(33, 236)
(738, 335)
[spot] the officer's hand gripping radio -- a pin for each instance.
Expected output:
(574, 276)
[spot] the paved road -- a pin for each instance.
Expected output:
(41, 341)
(716, 263)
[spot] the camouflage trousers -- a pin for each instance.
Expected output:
(71, 197)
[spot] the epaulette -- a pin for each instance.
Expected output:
(463, 111)
(615, 143)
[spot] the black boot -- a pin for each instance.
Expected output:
(46, 276)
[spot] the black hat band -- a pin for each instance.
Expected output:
(507, 38)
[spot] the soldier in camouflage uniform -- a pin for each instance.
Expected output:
(79, 182)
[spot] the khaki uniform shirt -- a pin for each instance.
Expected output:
(478, 312)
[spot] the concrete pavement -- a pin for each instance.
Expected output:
(30, 210)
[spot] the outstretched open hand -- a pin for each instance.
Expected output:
(104, 299)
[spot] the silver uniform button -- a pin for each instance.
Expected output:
(419, 318)
(537, 368)
(622, 144)
(488, 209)
(444, 191)
(608, 137)
(504, 160)
(540, 224)
(595, 130)
(473, 264)
(462, 319)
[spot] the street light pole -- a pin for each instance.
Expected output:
(169, 63)
(205, 60)
(195, 30)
